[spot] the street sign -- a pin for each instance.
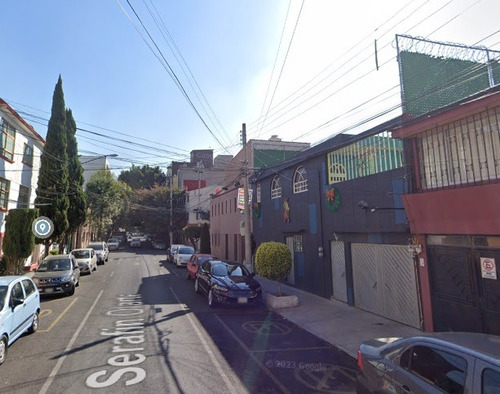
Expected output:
(488, 268)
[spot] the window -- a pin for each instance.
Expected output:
(300, 180)
(17, 292)
(7, 141)
(29, 287)
(4, 193)
(258, 192)
(23, 201)
(439, 368)
(276, 187)
(490, 382)
(462, 152)
(28, 155)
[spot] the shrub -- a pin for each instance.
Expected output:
(273, 261)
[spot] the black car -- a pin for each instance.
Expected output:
(227, 283)
(450, 362)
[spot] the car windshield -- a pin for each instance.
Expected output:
(3, 295)
(219, 269)
(96, 246)
(54, 265)
(237, 270)
(186, 250)
(81, 254)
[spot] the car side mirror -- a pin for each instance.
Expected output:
(17, 302)
(252, 274)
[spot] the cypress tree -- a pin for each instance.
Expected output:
(19, 240)
(77, 211)
(52, 190)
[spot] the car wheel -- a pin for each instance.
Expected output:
(196, 286)
(34, 324)
(187, 275)
(211, 301)
(3, 349)
(72, 290)
(78, 283)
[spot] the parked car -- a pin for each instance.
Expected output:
(182, 255)
(195, 261)
(113, 244)
(159, 245)
(452, 362)
(101, 250)
(171, 252)
(135, 243)
(227, 283)
(86, 259)
(57, 274)
(19, 310)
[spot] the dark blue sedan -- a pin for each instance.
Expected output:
(227, 283)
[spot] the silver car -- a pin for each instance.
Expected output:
(182, 255)
(86, 259)
(57, 274)
(450, 362)
(101, 250)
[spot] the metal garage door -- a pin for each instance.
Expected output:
(338, 270)
(385, 283)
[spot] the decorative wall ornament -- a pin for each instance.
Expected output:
(257, 209)
(332, 198)
(286, 211)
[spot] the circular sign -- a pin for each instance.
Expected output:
(42, 227)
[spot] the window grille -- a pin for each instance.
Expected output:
(300, 180)
(374, 154)
(462, 152)
(28, 155)
(275, 187)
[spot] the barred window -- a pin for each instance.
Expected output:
(4, 193)
(300, 180)
(7, 141)
(275, 187)
(461, 152)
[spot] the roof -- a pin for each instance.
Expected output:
(7, 108)
(336, 142)
(6, 280)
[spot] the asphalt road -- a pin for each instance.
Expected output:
(136, 325)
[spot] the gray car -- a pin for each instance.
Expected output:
(57, 274)
(450, 362)
(101, 250)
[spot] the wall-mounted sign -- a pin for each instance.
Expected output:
(488, 268)
(241, 197)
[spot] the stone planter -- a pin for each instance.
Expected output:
(284, 301)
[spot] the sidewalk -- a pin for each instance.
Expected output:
(342, 325)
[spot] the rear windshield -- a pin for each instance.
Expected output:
(81, 254)
(186, 250)
(55, 265)
(96, 246)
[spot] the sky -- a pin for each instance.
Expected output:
(152, 80)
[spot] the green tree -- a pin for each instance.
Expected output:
(52, 189)
(192, 233)
(105, 199)
(19, 240)
(273, 260)
(205, 239)
(144, 177)
(77, 211)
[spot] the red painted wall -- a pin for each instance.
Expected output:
(466, 210)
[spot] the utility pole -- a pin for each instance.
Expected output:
(170, 169)
(199, 169)
(248, 243)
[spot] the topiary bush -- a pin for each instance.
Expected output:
(273, 261)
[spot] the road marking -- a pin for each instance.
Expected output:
(60, 316)
(253, 356)
(111, 274)
(45, 312)
(291, 349)
(266, 327)
(60, 362)
(229, 385)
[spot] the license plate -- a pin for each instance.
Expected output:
(48, 290)
(242, 300)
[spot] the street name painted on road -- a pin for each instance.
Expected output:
(128, 333)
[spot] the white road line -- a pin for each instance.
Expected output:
(229, 385)
(50, 379)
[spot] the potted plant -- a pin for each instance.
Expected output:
(273, 261)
